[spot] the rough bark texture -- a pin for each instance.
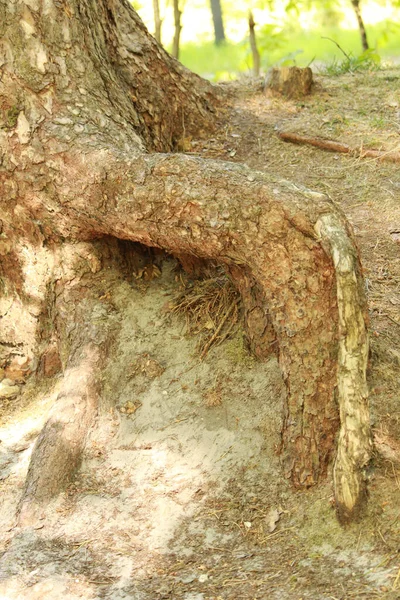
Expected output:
(76, 124)
(355, 442)
(291, 82)
(83, 339)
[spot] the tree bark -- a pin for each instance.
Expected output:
(218, 22)
(361, 26)
(253, 45)
(291, 82)
(86, 131)
(157, 20)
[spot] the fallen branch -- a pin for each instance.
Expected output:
(332, 146)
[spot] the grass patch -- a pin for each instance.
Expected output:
(211, 61)
(300, 47)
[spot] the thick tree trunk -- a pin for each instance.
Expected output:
(78, 121)
(218, 22)
(361, 26)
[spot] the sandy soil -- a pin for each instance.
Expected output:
(180, 494)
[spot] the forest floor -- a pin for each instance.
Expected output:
(180, 494)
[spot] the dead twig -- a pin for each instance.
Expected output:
(212, 339)
(211, 310)
(333, 146)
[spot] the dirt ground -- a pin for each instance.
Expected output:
(180, 494)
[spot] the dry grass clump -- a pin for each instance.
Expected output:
(145, 365)
(211, 308)
(213, 396)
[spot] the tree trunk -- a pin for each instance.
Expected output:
(216, 11)
(361, 26)
(86, 133)
(178, 29)
(253, 45)
(157, 20)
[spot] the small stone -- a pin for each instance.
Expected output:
(189, 578)
(8, 391)
(203, 577)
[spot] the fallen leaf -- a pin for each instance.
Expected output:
(272, 519)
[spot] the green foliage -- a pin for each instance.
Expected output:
(270, 39)
(390, 29)
(213, 62)
(367, 61)
(283, 40)
(291, 59)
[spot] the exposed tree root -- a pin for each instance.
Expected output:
(333, 146)
(70, 174)
(287, 250)
(58, 450)
(355, 439)
(83, 340)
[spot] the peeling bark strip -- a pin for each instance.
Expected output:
(355, 439)
(86, 93)
(333, 146)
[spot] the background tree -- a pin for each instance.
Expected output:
(216, 11)
(157, 20)
(92, 109)
(253, 45)
(178, 28)
(361, 26)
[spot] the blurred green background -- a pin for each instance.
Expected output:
(286, 33)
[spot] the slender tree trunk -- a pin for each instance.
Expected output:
(361, 26)
(157, 20)
(178, 29)
(253, 44)
(218, 22)
(91, 106)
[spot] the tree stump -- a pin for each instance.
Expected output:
(291, 82)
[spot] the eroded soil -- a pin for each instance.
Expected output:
(180, 494)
